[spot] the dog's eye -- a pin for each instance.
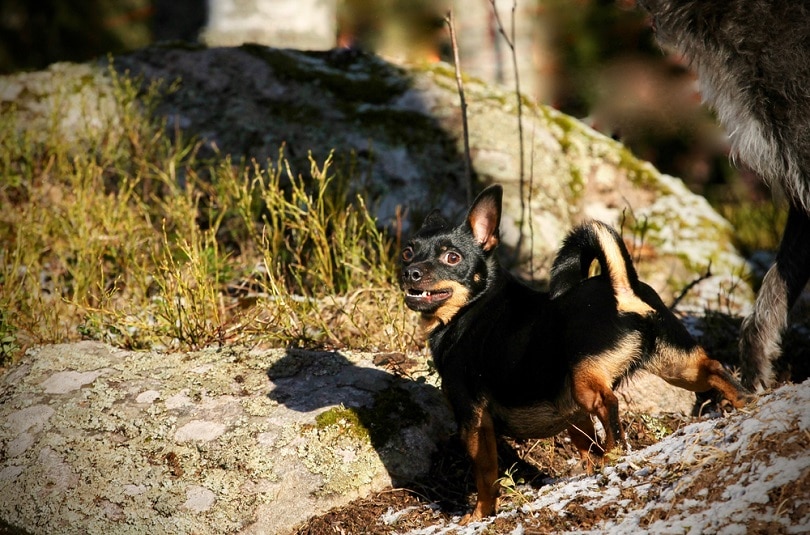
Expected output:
(407, 254)
(451, 258)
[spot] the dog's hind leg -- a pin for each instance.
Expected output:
(583, 436)
(593, 393)
(693, 370)
(762, 330)
(479, 438)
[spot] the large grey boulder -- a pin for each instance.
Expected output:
(100, 440)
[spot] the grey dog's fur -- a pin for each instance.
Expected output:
(752, 58)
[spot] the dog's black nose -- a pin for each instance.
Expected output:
(413, 274)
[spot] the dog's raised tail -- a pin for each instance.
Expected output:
(598, 241)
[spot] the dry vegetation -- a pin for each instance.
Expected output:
(137, 241)
(131, 237)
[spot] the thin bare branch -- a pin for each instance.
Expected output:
(459, 82)
(691, 285)
(510, 42)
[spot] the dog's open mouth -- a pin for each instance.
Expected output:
(425, 299)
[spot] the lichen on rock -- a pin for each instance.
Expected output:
(206, 442)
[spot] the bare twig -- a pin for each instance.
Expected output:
(467, 159)
(691, 285)
(510, 41)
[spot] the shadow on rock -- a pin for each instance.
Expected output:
(402, 419)
(407, 422)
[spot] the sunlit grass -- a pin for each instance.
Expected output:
(134, 240)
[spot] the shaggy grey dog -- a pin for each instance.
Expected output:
(752, 58)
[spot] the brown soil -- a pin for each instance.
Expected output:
(449, 490)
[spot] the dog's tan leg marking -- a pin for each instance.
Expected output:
(482, 449)
(695, 371)
(583, 436)
(593, 393)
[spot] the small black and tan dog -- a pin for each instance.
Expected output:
(531, 364)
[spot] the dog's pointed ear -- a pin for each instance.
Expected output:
(485, 217)
(434, 221)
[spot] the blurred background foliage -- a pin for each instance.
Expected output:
(593, 59)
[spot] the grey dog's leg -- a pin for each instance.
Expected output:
(760, 343)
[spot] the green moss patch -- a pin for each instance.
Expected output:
(392, 411)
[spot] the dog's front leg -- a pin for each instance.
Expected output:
(760, 342)
(479, 438)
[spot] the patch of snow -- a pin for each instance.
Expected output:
(391, 517)
(666, 471)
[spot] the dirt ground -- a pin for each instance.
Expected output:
(450, 489)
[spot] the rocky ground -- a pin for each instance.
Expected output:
(747, 472)
(112, 451)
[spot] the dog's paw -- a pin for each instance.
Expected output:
(482, 509)
(474, 516)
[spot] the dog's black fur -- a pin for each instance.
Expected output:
(752, 58)
(531, 364)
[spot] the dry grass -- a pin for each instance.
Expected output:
(136, 241)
